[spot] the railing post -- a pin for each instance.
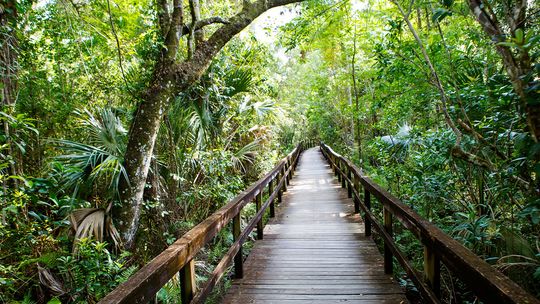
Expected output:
(289, 166)
(432, 270)
(238, 258)
(367, 221)
(258, 203)
(283, 170)
(280, 190)
(338, 171)
(356, 198)
(349, 182)
(388, 267)
(336, 165)
(270, 191)
(343, 174)
(187, 282)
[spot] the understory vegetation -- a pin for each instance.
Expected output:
(438, 105)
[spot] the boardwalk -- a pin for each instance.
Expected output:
(314, 250)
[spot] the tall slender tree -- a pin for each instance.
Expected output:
(8, 71)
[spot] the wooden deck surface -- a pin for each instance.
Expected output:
(314, 250)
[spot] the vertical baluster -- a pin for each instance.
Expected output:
(367, 202)
(278, 178)
(287, 172)
(283, 170)
(356, 198)
(349, 182)
(258, 203)
(432, 270)
(187, 282)
(388, 257)
(238, 258)
(338, 171)
(270, 191)
(334, 161)
(293, 165)
(343, 174)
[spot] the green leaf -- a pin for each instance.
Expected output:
(507, 43)
(531, 42)
(54, 301)
(519, 36)
(537, 273)
(440, 13)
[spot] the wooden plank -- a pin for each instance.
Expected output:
(318, 290)
(307, 276)
(250, 299)
(322, 280)
(334, 298)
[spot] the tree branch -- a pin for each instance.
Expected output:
(175, 29)
(470, 129)
(164, 17)
(202, 23)
(119, 50)
(489, 26)
(458, 152)
(194, 38)
(189, 71)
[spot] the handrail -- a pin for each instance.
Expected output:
(488, 283)
(179, 257)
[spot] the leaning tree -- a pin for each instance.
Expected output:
(170, 77)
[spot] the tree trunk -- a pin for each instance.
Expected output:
(8, 52)
(356, 99)
(8, 70)
(142, 137)
(170, 78)
(518, 68)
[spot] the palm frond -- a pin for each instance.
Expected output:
(399, 143)
(201, 124)
(93, 223)
(245, 155)
(101, 159)
(47, 279)
(106, 130)
(263, 108)
(238, 81)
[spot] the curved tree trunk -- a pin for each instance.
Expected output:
(170, 78)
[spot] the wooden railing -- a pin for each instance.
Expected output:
(489, 284)
(179, 257)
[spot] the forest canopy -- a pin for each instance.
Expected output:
(126, 123)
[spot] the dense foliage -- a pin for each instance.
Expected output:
(418, 93)
(66, 133)
(465, 160)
